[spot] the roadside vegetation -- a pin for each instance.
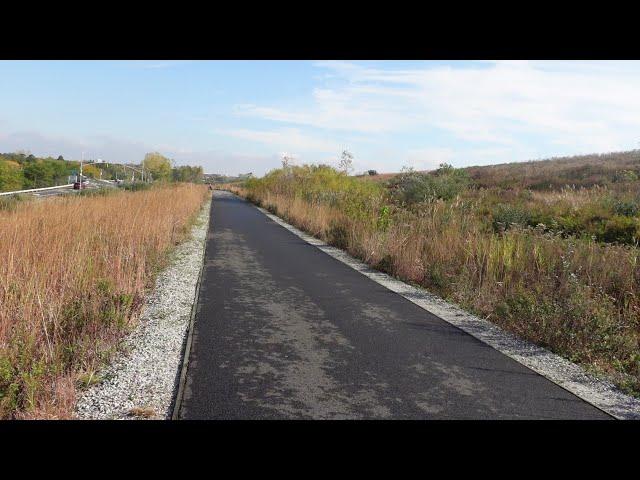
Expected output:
(21, 171)
(73, 274)
(547, 250)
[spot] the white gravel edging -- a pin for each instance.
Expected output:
(142, 379)
(596, 391)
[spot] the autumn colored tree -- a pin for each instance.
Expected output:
(158, 165)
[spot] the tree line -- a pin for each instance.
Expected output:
(20, 171)
(161, 168)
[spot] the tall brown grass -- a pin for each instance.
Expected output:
(73, 272)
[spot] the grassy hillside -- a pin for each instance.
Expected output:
(591, 195)
(554, 173)
(548, 251)
(557, 173)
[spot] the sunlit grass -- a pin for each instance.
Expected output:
(73, 273)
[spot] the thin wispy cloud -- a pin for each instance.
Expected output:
(285, 138)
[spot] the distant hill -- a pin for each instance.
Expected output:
(555, 173)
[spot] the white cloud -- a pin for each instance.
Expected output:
(579, 106)
(285, 139)
(42, 145)
(339, 110)
(429, 158)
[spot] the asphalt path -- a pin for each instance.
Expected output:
(284, 331)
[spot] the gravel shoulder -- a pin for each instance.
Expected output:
(141, 381)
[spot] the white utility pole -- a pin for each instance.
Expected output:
(81, 161)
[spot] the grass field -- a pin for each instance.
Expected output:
(546, 250)
(73, 274)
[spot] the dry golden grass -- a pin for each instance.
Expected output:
(73, 273)
(142, 412)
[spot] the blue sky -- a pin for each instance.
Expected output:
(240, 116)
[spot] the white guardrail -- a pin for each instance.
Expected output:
(36, 189)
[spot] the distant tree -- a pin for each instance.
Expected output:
(445, 169)
(11, 177)
(91, 171)
(38, 175)
(187, 173)
(372, 172)
(287, 161)
(60, 158)
(158, 165)
(346, 162)
(197, 174)
(45, 173)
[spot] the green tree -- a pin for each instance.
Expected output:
(37, 175)
(11, 177)
(158, 165)
(346, 162)
(45, 173)
(187, 173)
(91, 171)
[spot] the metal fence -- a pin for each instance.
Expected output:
(36, 189)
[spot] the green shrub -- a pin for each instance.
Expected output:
(626, 209)
(506, 216)
(411, 187)
(625, 176)
(384, 218)
(619, 229)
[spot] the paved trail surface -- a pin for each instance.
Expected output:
(284, 331)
